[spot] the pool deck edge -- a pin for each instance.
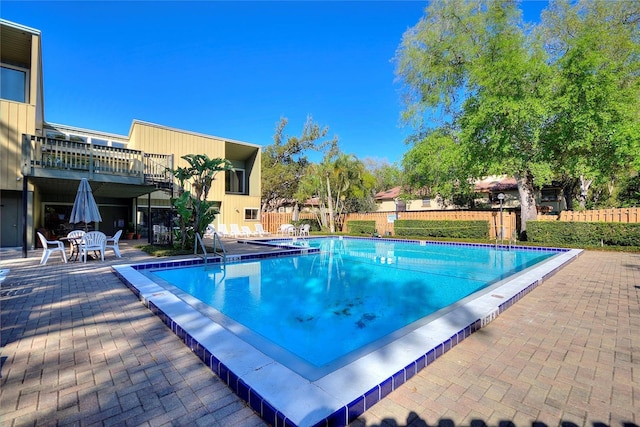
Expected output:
(345, 394)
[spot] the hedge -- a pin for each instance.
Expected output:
(442, 228)
(559, 233)
(361, 227)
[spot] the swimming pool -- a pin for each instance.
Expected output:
(411, 324)
(323, 310)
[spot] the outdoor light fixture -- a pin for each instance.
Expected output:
(501, 198)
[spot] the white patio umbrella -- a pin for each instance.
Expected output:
(85, 208)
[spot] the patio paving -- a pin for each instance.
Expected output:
(78, 348)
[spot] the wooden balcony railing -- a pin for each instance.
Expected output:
(40, 153)
(156, 168)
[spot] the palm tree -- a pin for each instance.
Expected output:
(342, 173)
(194, 208)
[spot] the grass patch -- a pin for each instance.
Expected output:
(163, 250)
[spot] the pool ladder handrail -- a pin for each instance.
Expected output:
(510, 243)
(216, 239)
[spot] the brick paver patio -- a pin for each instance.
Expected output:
(78, 348)
(566, 354)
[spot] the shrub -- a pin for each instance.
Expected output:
(442, 228)
(361, 227)
(567, 233)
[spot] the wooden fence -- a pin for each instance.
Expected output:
(271, 221)
(385, 220)
(629, 215)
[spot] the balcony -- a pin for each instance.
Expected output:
(51, 158)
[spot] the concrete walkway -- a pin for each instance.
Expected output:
(78, 348)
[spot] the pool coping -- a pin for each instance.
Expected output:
(284, 398)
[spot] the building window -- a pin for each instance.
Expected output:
(77, 138)
(234, 181)
(13, 84)
(493, 197)
(56, 135)
(96, 141)
(549, 195)
(250, 214)
(426, 203)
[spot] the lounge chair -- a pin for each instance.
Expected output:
(112, 243)
(260, 231)
(49, 247)
(245, 230)
(93, 241)
(235, 231)
(222, 230)
(209, 232)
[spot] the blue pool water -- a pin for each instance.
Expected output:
(353, 293)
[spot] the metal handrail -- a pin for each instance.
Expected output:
(204, 249)
(216, 238)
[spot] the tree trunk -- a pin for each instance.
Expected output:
(584, 191)
(332, 224)
(568, 187)
(528, 211)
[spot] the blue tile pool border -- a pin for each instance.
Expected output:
(345, 414)
(275, 240)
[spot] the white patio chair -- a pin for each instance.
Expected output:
(3, 274)
(74, 238)
(287, 230)
(304, 230)
(49, 247)
(260, 231)
(93, 241)
(112, 243)
(160, 234)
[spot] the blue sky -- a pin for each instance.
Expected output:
(230, 69)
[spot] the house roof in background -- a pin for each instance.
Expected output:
(388, 194)
(496, 183)
(486, 185)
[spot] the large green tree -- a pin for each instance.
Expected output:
(491, 95)
(435, 167)
(594, 120)
(470, 71)
(285, 162)
(385, 175)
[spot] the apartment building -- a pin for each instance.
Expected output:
(42, 163)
